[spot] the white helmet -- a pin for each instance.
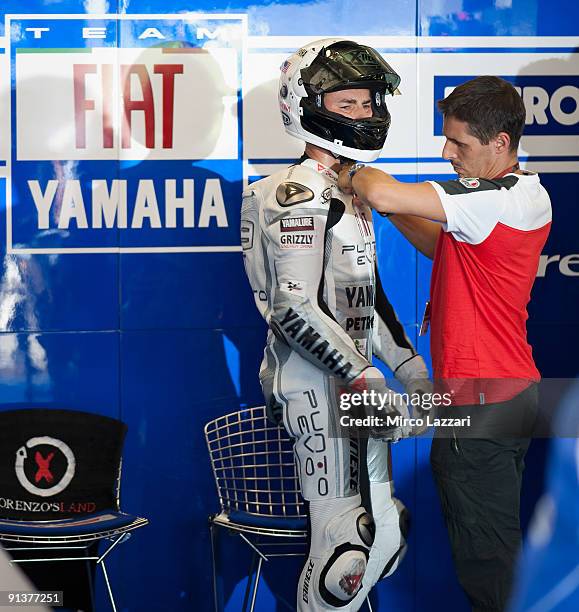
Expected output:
(329, 65)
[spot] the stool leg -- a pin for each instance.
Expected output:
(214, 567)
(250, 583)
(89, 570)
(257, 577)
(108, 586)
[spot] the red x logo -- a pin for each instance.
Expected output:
(43, 465)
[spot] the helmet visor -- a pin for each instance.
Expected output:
(346, 65)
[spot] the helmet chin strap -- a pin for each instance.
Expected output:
(344, 160)
(315, 150)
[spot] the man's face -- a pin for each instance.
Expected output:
(351, 103)
(468, 156)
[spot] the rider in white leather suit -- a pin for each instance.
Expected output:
(310, 257)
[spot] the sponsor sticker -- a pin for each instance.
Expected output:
(470, 183)
(84, 174)
(551, 101)
(327, 172)
(297, 224)
(293, 286)
(297, 233)
(297, 241)
(361, 345)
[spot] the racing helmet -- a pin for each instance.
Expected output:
(328, 65)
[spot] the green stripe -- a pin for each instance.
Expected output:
(47, 50)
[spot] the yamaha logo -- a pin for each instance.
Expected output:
(45, 466)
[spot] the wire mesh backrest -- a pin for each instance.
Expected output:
(253, 464)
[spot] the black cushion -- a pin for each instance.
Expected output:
(58, 463)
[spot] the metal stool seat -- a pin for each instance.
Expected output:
(263, 525)
(52, 461)
(258, 487)
(106, 524)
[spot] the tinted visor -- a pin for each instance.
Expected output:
(346, 65)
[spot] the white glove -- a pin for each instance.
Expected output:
(379, 401)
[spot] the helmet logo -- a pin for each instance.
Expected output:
(377, 98)
(365, 58)
(283, 91)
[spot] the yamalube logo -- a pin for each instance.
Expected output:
(45, 466)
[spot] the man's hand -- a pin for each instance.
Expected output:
(385, 194)
(344, 178)
(345, 183)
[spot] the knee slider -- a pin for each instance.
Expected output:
(351, 535)
(401, 529)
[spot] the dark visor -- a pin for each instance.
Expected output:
(343, 66)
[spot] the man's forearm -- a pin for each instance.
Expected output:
(385, 194)
(421, 233)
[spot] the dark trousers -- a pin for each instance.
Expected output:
(479, 484)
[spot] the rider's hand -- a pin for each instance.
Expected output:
(386, 408)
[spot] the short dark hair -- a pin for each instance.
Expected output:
(489, 105)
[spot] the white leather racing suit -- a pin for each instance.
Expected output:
(310, 258)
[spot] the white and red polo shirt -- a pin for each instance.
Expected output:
(485, 264)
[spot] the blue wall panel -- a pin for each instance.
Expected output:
(151, 296)
(173, 382)
(556, 291)
(50, 293)
(66, 370)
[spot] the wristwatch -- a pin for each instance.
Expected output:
(355, 169)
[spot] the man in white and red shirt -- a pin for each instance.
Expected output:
(485, 263)
(485, 235)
